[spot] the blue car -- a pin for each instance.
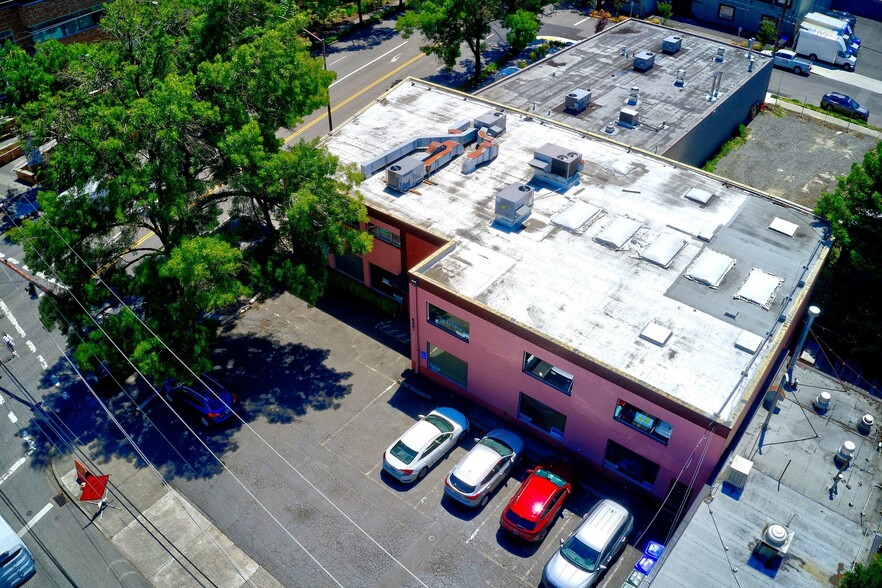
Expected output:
(844, 105)
(210, 401)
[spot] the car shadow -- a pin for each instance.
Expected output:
(278, 382)
(460, 511)
(517, 547)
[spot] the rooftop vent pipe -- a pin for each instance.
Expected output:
(821, 404)
(846, 453)
(866, 424)
(721, 53)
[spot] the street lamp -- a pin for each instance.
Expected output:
(325, 61)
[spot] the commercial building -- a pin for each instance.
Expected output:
(27, 22)
(622, 306)
(680, 94)
(745, 16)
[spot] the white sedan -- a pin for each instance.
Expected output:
(424, 444)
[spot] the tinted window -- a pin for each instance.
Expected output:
(403, 452)
(497, 446)
(443, 425)
(519, 521)
(551, 476)
(460, 485)
(580, 555)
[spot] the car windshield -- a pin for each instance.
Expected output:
(443, 424)
(853, 104)
(580, 555)
(403, 452)
(460, 485)
(9, 556)
(551, 476)
(497, 446)
(519, 521)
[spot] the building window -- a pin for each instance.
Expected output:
(386, 283)
(549, 374)
(67, 25)
(630, 464)
(351, 265)
(449, 366)
(542, 416)
(6, 35)
(726, 12)
(643, 422)
(450, 323)
(385, 235)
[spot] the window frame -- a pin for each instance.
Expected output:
(385, 235)
(623, 406)
(528, 358)
(729, 9)
(432, 321)
(521, 415)
(435, 369)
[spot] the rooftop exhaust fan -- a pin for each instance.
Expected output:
(774, 543)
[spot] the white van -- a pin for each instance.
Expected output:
(16, 562)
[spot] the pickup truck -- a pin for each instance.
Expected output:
(788, 59)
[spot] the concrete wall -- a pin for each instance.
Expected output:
(708, 135)
(495, 378)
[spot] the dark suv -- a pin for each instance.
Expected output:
(207, 399)
(844, 105)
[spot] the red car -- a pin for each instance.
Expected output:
(538, 501)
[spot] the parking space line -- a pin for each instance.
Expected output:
(358, 414)
(12, 417)
(34, 520)
(11, 470)
(581, 21)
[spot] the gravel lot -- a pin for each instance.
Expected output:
(794, 157)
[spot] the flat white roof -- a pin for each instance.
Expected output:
(554, 278)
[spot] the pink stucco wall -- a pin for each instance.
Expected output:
(495, 378)
(383, 254)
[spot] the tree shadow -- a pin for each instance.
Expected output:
(364, 39)
(276, 382)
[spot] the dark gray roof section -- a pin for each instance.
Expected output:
(789, 484)
(750, 241)
(604, 65)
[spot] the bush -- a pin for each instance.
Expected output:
(734, 143)
(768, 32)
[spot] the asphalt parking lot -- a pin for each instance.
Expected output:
(324, 392)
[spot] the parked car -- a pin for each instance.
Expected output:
(536, 504)
(586, 554)
(481, 471)
(844, 105)
(424, 444)
(787, 59)
(16, 562)
(210, 401)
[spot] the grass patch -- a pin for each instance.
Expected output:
(734, 143)
(826, 112)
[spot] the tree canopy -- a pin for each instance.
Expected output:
(854, 271)
(864, 576)
(447, 24)
(163, 131)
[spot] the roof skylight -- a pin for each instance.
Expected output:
(710, 268)
(655, 333)
(663, 250)
(760, 288)
(699, 195)
(577, 217)
(782, 226)
(617, 233)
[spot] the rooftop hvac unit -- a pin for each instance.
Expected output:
(672, 44)
(628, 117)
(577, 100)
(514, 203)
(774, 542)
(557, 161)
(644, 60)
(739, 469)
(405, 173)
(493, 120)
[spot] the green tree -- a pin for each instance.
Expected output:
(665, 11)
(854, 271)
(447, 24)
(869, 576)
(162, 129)
(768, 32)
(522, 26)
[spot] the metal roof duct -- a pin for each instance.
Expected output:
(371, 167)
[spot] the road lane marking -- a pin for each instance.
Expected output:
(322, 117)
(395, 58)
(12, 319)
(12, 417)
(581, 21)
(35, 520)
(11, 470)
(352, 73)
(337, 60)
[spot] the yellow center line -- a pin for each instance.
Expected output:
(353, 97)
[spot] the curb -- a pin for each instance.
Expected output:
(822, 117)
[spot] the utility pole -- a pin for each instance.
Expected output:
(325, 61)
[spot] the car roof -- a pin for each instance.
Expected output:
(533, 496)
(420, 434)
(476, 464)
(509, 438)
(602, 522)
(453, 415)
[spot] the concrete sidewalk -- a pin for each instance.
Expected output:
(168, 540)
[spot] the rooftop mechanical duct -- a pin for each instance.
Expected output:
(376, 164)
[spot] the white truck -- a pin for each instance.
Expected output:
(825, 46)
(839, 26)
(787, 59)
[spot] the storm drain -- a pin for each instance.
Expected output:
(60, 499)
